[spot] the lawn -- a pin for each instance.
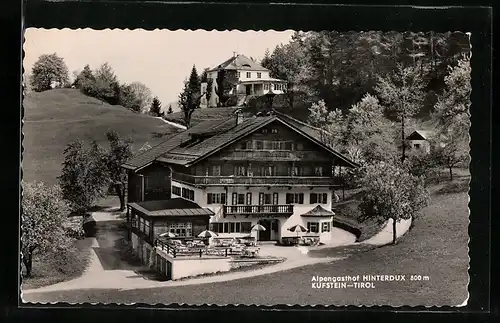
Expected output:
(435, 247)
(53, 118)
(56, 267)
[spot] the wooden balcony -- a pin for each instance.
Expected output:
(256, 180)
(273, 155)
(284, 210)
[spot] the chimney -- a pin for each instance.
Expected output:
(239, 116)
(234, 54)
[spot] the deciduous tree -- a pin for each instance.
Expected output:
(402, 93)
(43, 215)
(106, 84)
(49, 70)
(142, 94)
(390, 192)
(119, 152)
(84, 177)
(170, 111)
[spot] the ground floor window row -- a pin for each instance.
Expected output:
(314, 227)
(231, 227)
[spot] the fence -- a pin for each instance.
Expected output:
(184, 251)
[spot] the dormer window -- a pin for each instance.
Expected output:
(259, 75)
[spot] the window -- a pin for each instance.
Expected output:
(264, 130)
(289, 145)
(181, 229)
(238, 74)
(231, 227)
(240, 170)
(417, 146)
(241, 199)
(275, 198)
(313, 227)
(318, 171)
(188, 194)
(249, 198)
(266, 86)
(321, 198)
(274, 130)
(216, 198)
(259, 145)
(259, 75)
(300, 146)
(325, 227)
(216, 170)
(268, 170)
(249, 75)
(176, 190)
(295, 171)
(294, 198)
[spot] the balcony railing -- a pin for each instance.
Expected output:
(286, 209)
(256, 180)
(273, 155)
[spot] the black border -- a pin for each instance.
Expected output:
(150, 15)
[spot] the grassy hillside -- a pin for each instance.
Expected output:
(53, 118)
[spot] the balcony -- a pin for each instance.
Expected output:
(274, 155)
(276, 210)
(256, 180)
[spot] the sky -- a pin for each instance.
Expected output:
(161, 59)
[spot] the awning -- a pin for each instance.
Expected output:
(318, 211)
(174, 207)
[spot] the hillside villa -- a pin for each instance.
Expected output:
(252, 79)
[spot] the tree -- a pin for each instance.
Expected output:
(155, 108)
(170, 111)
(451, 111)
(331, 123)
(106, 84)
(402, 92)
(289, 62)
(190, 97)
(85, 81)
(84, 177)
(390, 192)
(225, 83)
(43, 216)
(209, 90)
(48, 71)
(143, 95)
(119, 152)
(128, 99)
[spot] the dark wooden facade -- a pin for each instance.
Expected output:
(274, 155)
(154, 179)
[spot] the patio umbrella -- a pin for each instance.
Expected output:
(207, 234)
(168, 234)
(258, 227)
(297, 228)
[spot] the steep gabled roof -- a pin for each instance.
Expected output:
(211, 136)
(239, 62)
(421, 135)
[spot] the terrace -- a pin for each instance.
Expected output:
(199, 248)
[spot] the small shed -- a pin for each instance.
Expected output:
(420, 141)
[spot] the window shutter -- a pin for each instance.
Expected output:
(249, 198)
(235, 198)
(261, 198)
(209, 198)
(301, 198)
(223, 198)
(275, 198)
(325, 197)
(313, 198)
